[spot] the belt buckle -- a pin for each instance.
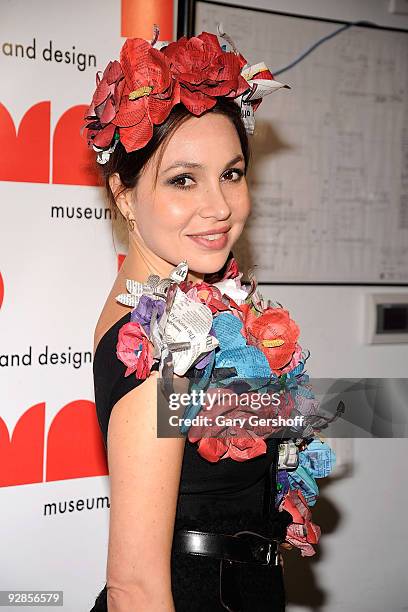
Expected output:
(267, 552)
(272, 555)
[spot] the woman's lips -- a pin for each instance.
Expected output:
(213, 241)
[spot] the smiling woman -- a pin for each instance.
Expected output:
(187, 161)
(177, 215)
(173, 151)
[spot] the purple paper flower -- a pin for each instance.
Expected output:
(204, 361)
(144, 311)
(282, 486)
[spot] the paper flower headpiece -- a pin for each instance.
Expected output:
(141, 89)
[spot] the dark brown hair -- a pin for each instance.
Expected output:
(130, 165)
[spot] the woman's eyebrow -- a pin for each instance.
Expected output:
(183, 164)
(189, 164)
(234, 160)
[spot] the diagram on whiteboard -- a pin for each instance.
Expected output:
(329, 175)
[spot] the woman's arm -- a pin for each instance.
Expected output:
(144, 481)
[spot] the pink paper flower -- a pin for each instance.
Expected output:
(232, 270)
(294, 362)
(222, 441)
(208, 295)
(135, 350)
(242, 447)
(302, 533)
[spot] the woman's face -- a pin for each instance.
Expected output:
(197, 208)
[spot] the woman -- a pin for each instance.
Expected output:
(173, 150)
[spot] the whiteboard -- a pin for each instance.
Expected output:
(329, 175)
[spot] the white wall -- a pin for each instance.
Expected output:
(331, 320)
(360, 565)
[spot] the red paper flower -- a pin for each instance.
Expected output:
(235, 436)
(135, 350)
(302, 533)
(275, 334)
(265, 75)
(205, 71)
(149, 93)
(209, 295)
(105, 105)
(232, 270)
(242, 447)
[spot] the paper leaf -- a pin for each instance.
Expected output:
(127, 299)
(180, 272)
(134, 287)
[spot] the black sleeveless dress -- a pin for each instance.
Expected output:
(224, 497)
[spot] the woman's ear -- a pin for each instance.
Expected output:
(121, 194)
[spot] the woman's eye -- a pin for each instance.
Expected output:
(182, 182)
(233, 175)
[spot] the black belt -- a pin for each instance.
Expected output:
(242, 547)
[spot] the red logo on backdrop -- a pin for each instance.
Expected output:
(121, 258)
(2, 289)
(25, 154)
(137, 18)
(74, 446)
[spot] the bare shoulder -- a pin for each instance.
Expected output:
(111, 313)
(136, 408)
(132, 431)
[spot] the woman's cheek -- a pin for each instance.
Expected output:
(240, 201)
(173, 214)
(243, 209)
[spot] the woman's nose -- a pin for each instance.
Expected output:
(215, 205)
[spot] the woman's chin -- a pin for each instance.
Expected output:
(207, 263)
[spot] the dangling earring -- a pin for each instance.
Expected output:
(130, 222)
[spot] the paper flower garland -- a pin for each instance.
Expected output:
(224, 337)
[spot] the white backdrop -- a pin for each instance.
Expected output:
(57, 265)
